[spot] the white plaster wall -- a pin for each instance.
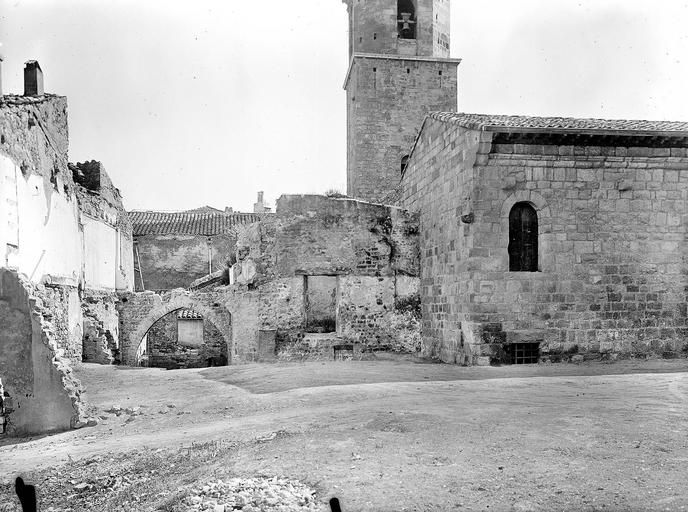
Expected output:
(190, 332)
(125, 271)
(101, 248)
(40, 225)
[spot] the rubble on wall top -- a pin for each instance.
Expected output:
(16, 99)
(485, 122)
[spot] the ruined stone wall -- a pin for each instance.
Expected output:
(387, 100)
(175, 261)
(316, 235)
(63, 310)
(40, 393)
(58, 229)
(101, 328)
(365, 249)
(611, 266)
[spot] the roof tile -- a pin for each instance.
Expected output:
(529, 123)
(188, 223)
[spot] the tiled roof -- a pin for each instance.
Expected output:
(188, 223)
(561, 124)
(188, 314)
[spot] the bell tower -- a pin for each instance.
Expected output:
(399, 70)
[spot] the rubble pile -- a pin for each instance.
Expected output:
(253, 495)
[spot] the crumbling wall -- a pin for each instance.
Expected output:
(107, 229)
(63, 310)
(176, 261)
(40, 216)
(101, 328)
(355, 251)
(40, 394)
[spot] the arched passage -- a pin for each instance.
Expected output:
(139, 312)
(183, 339)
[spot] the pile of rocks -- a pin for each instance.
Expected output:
(254, 495)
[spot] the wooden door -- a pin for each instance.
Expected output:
(523, 238)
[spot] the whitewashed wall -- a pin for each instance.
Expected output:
(40, 233)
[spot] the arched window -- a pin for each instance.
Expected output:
(406, 19)
(523, 238)
(404, 162)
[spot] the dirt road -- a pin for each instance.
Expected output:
(397, 435)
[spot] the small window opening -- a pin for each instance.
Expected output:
(406, 19)
(408, 70)
(440, 73)
(404, 162)
(374, 70)
(523, 238)
(375, 35)
(525, 353)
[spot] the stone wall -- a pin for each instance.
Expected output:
(611, 279)
(63, 310)
(366, 253)
(40, 395)
(175, 261)
(101, 328)
(387, 99)
(359, 250)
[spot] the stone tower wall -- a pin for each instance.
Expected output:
(391, 85)
(373, 28)
(387, 102)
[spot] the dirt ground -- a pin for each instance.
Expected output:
(384, 435)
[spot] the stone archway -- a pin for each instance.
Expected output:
(139, 312)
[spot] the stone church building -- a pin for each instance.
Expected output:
(540, 238)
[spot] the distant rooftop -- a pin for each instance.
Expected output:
(188, 223)
(532, 124)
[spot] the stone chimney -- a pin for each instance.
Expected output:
(259, 206)
(33, 79)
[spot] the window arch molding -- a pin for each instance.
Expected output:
(544, 214)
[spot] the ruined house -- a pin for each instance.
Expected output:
(320, 275)
(183, 250)
(174, 249)
(66, 251)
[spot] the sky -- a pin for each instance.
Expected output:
(207, 102)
